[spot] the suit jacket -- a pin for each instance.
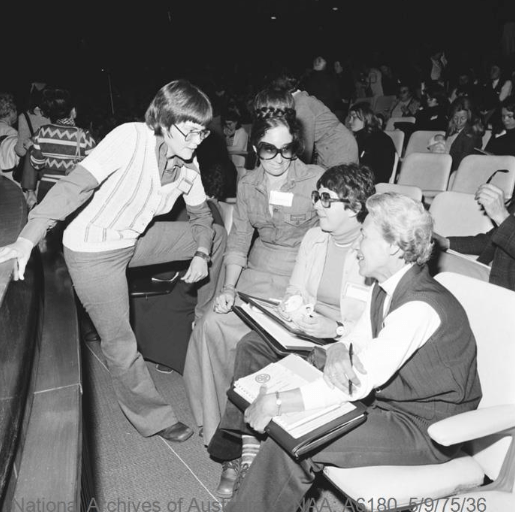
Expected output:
(496, 247)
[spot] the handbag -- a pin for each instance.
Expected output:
(20, 168)
(78, 156)
(29, 176)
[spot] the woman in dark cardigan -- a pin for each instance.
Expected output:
(464, 132)
(504, 142)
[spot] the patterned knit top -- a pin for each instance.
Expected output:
(59, 147)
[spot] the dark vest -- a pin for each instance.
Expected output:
(440, 379)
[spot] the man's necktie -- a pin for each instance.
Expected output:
(376, 309)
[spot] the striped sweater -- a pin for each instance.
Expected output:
(57, 149)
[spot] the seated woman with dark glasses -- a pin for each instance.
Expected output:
(340, 205)
(273, 212)
(327, 255)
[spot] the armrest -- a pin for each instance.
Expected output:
(473, 425)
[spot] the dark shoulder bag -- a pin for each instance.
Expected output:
(19, 169)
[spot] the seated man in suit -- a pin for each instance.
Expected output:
(495, 248)
(414, 364)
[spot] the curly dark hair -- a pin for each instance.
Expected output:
(352, 182)
(266, 122)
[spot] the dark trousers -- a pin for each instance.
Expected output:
(100, 280)
(252, 354)
(276, 481)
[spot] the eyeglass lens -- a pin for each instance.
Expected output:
(268, 151)
(202, 134)
(325, 199)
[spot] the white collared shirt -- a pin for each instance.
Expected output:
(404, 331)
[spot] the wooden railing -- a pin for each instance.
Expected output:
(40, 376)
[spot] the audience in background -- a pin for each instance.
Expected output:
(465, 130)
(31, 119)
(236, 138)
(495, 89)
(327, 142)
(503, 143)
(323, 85)
(9, 159)
(432, 114)
(376, 148)
(406, 104)
(467, 85)
(57, 147)
(495, 248)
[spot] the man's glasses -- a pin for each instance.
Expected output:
(267, 151)
(325, 199)
(201, 134)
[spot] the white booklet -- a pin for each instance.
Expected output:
(290, 373)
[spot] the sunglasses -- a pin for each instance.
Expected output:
(267, 151)
(325, 199)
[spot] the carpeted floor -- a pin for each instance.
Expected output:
(131, 473)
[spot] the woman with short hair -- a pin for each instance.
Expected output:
(136, 173)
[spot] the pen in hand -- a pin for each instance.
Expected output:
(350, 359)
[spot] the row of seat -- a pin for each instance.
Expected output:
(431, 172)
(418, 141)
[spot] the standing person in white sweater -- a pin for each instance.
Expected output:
(136, 172)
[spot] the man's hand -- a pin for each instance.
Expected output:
(442, 242)
(20, 250)
(492, 200)
(338, 370)
(196, 271)
(261, 410)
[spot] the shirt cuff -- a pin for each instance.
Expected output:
(34, 231)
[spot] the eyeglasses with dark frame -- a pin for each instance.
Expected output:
(202, 134)
(267, 151)
(325, 199)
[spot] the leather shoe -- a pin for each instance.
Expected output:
(230, 472)
(177, 433)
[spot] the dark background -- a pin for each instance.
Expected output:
(92, 45)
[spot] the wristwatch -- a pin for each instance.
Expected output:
(202, 255)
(340, 330)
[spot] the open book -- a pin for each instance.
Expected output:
(284, 336)
(298, 432)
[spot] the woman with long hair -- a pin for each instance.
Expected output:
(376, 149)
(465, 130)
(273, 211)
